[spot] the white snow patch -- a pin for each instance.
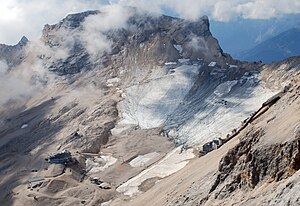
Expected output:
(36, 150)
(98, 164)
(233, 66)
(178, 48)
(113, 80)
(106, 203)
(183, 60)
(170, 63)
(119, 90)
(119, 128)
(24, 126)
(141, 160)
(121, 71)
(212, 64)
(171, 163)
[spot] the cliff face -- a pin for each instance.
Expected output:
(267, 156)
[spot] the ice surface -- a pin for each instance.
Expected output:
(225, 88)
(190, 116)
(149, 104)
(222, 112)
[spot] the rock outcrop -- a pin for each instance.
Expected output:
(13, 55)
(166, 39)
(246, 166)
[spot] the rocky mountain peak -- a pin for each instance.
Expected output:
(13, 55)
(23, 41)
(71, 21)
(138, 97)
(166, 39)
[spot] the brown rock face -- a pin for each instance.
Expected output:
(247, 165)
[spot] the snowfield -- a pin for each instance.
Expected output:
(171, 163)
(149, 104)
(191, 118)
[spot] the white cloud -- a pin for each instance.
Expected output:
(265, 9)
(27, 17)
(32, 75)
(3, 68)
(111, 17)
(198, 43)
(220, 9)
(14, 85)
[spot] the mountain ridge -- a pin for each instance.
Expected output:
(275, 49)
(13, 54)
(136, 102)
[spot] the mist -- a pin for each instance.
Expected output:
(32, 76)
(14, 85)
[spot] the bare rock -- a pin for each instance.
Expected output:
(246, 166)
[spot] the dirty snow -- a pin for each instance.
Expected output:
(218, 119)
(98, 164)
(142, 160)
(171, 163)
(161, 102)
(148, 104)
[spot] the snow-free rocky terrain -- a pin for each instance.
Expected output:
(134, 99)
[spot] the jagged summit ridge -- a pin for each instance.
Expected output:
(159, 34)
(13, 55)
(23, 41)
